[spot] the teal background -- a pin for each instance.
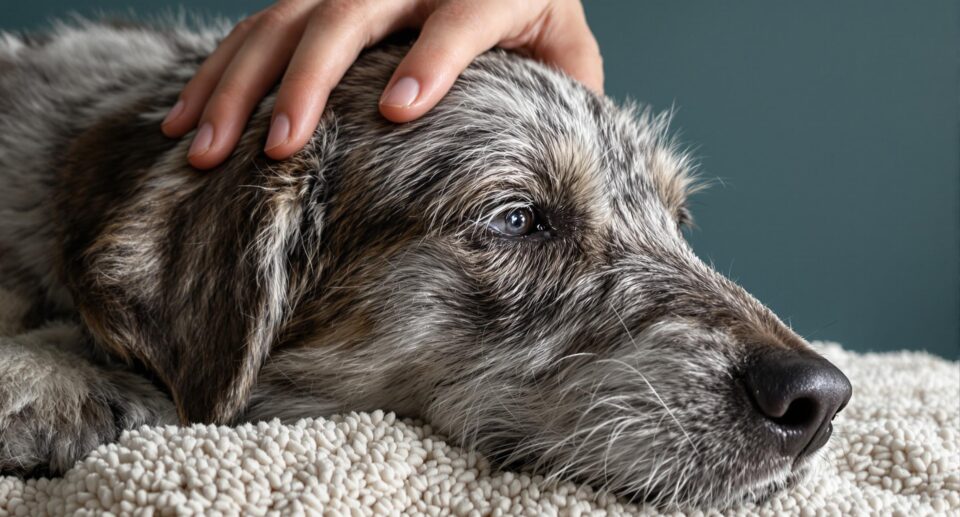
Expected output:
(831, 129)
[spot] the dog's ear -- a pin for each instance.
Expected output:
(191, 274)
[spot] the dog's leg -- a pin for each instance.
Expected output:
(56, 404)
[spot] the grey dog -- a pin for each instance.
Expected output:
(511, 268)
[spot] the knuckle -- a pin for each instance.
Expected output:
(352, 15)
(355, 16)
(342, 10)
(276, 17)
(245, 25)
(457, 14)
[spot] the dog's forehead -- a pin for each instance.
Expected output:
(510, 129)
(618, 158)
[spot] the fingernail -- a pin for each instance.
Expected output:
(402, 93)
(175, 112)
(202, 140)
(279, 131)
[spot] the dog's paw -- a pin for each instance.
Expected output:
(42, 439)
(55, 406)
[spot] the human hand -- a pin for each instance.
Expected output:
(312, 43)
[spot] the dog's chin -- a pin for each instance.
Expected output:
(763, 491)
(767, 485)
(756, 489)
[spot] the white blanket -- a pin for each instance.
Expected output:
(896, 449)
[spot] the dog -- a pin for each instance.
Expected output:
(511, 268)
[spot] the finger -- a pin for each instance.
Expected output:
(186, 112)
(451, 38)
(566, 42)
(336, 34)
(248, 77)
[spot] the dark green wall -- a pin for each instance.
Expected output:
(832, 129)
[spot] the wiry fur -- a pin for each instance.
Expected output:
(362, 274)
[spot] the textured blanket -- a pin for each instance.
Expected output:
(896, 450)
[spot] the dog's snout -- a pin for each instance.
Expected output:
(798, 394)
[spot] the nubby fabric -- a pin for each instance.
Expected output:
(896, 449)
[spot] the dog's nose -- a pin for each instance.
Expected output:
(799, 393)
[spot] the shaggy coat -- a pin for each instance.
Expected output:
(510, 268)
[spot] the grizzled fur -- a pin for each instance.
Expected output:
(363, 273)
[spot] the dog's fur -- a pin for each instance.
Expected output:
(363, 273)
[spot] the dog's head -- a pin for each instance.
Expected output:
(510, 267)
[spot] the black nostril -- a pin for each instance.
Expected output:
(798, 393)
(799, 413)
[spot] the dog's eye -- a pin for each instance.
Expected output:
(517, 222)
